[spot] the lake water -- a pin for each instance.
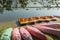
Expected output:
(30, 12)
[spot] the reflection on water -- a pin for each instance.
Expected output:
(5, 4)
(30, 12)
(1, 10)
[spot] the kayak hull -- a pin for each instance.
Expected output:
(25, 34)
(15, 34)
(7, 34)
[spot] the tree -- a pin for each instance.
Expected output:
(23, 3)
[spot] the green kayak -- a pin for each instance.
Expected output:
(7, 34)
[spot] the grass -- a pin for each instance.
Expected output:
(54, 37)
(3, 28)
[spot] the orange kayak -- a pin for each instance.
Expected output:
(23, 20)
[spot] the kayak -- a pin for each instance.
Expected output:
(48, 30)
(51, 25)
(23, 21)
(15, 34)
(35, 32)
(25, 34)
(7, 34)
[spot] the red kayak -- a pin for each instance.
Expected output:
(48, 30)
(55, 26)
(25, 34)
(16, 35)
(35, 32)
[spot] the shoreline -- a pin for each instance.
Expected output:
(9, 23)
